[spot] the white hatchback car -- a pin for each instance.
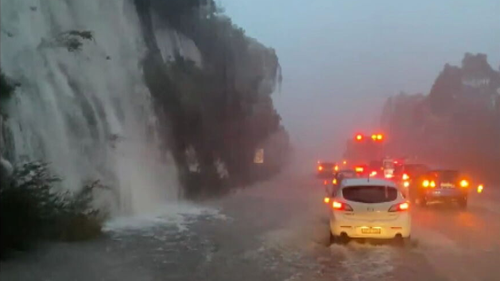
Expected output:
(369, 208)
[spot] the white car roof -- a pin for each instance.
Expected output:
(367, 181)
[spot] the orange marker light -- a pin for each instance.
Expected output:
(380, 137)
(334, 181)
(327, 200)
(464, 183)
(480, 188)
(433, 184)
(425, 183)
(336, 168)
(320, 168)
(374, 137)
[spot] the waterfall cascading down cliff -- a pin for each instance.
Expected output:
(81, 103)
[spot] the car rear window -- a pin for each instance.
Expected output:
(370, 194)
(347, 174)
(388, 165)
(447, 176)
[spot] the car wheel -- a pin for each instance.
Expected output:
(462, 203)
(332, 238)
(342, 239)
(399, 241)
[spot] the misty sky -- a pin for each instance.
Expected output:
(342, 58)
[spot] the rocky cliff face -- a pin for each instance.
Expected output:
(120, 90)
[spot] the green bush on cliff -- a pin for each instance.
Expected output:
(32, 210)
(6, 89)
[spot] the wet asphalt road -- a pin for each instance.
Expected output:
(275, 230)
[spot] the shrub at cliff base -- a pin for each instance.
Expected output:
(31, 210)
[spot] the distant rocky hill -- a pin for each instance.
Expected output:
(456, 124)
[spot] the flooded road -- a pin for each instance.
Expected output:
(275, 230)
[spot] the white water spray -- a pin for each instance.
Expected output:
(85, 110)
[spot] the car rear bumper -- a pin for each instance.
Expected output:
(388, 229)
(445, 195)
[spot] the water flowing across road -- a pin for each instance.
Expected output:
(275, 230)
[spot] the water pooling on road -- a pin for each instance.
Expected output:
(276, 230)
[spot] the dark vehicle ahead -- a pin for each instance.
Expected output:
(344, 174)
(339, 177)
(442, 186)
(407, 176)
(326, 170)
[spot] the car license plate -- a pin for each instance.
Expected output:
(370, 230)
(447, 185)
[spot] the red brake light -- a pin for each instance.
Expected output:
(406, 177)
(320, 168)
(401, 207)
(359, 137)
(339, 206)
(359, 169)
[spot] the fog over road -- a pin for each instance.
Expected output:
(275, 230)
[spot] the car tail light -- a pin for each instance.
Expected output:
(480, 188)
(373, 173)
(433, 184)
(325, 182)
(406, 177)
(336, 168)
(406, 184)
(389, 176)
(334, 181)
(425, 183)
(464, 183)
(401, 207)
(359, 169)
(339, 206)
(359, 137)
(320, 168)
(326, 200)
